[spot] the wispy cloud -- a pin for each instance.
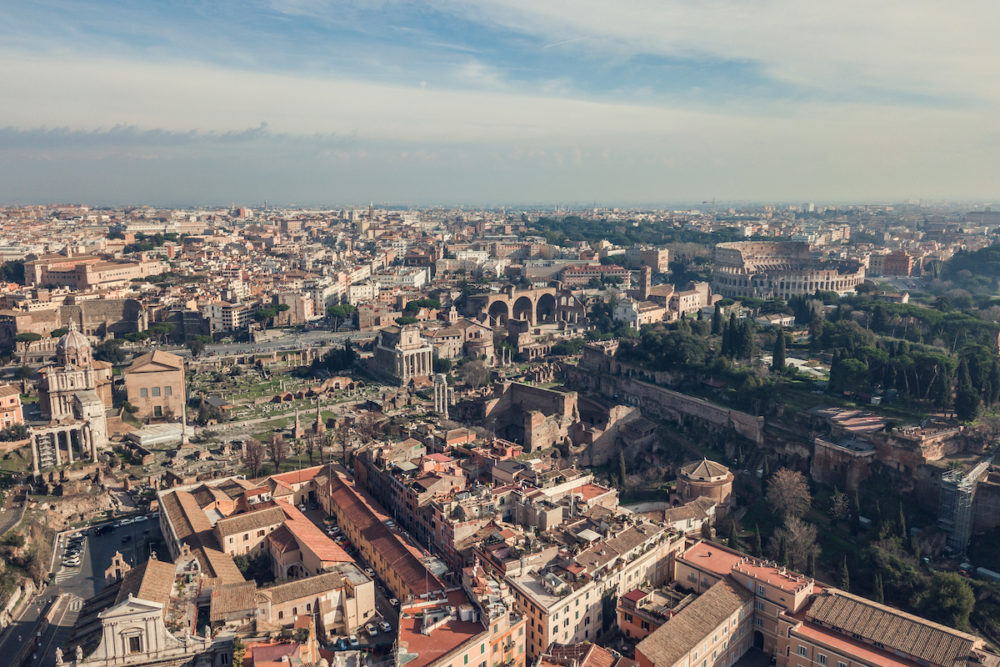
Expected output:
(499, 100)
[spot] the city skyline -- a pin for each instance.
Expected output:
(315, 103)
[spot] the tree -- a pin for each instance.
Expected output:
(966, 396)
(621, 467)
(277, 449)
(475, 374)
(796, 543)
(902, 521)
(253, 455)
(758, 550)
(58, 333)
(733, 541)
(717, 321)
(197, 344)
(339, 313)
(110, 351)
(788, 493)
(162, 330)
(368, 426)
(27, 337)
(845, 575)
(778, 356)
(950, 600)
(878, 593)
(310, 445)
(811, 566)
(839, 505)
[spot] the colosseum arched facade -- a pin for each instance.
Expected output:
(779, 270)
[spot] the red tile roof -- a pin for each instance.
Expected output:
(405, 559)
(311, 538)
(441, 641)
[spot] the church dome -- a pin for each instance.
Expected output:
(73, 349)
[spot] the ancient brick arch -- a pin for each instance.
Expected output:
(497, 307)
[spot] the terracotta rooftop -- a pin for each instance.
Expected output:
(897, 631)
(683, 632)
(704, 469)
(231, 598)
(311, 538)
(254, 520)
(152, 581)
(442, 640)
(711, 557)
(305, 587)
(298, 476)
(399, 555)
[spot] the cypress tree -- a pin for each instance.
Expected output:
(879, 594)
(811, 566)
(717, 320)
(845, 575)
(732, 536)
(902, 521)
(783, 552)
(778, 356)
(757, 549)
(621, 467)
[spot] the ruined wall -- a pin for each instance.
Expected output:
(986, 507)
(534, 417)
(104, 316)
(837, 467)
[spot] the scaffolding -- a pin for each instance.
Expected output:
(958, 492)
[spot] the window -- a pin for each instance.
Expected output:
(295, 611)
(758, 621)
(841, 664)
(135, 644)
(260, 533)
(156, 391)
(759, 604)
(143, 392)
(246, 536)
(820, 658)
(803, 651)
(281, 615)
(157, 411)
(761, 590)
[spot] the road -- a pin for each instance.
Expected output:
(290, 341)
(81, 582)
(65, 613)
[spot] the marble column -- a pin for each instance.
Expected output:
(69, 447)
(55, 442)
(34, 455)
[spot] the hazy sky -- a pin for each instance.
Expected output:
(493, 101)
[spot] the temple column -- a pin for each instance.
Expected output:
(69, 447)
(34, 455)
(55, 442)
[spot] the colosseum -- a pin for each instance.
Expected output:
(779, 270)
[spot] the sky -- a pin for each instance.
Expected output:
(492, 102)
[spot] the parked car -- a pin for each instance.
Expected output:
(394, 602)
(71, 562)
(371, 630)
(370, 572)
(384, 626)
(353, 641)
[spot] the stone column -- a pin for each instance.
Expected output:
(55, 442)
(34, 455)
(69, 447)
